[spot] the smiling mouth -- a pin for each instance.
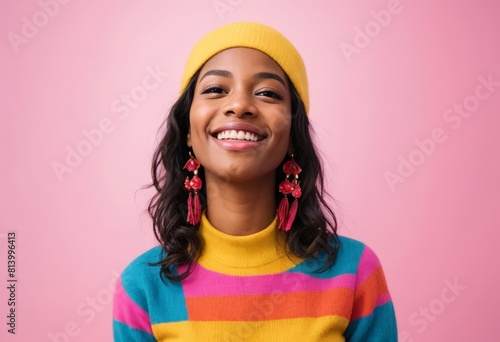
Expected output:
(238, 135)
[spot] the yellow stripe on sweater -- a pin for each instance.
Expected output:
(329, 328)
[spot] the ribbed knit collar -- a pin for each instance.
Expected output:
(260, 252)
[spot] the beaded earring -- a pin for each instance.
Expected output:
(290, 186)
(193, 185)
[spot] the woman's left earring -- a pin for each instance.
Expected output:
(193, 185)
(290, 186)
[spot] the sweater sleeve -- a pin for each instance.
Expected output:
(130, 321)
(131, 302)
(373, 318)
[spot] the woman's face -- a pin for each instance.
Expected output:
(240, 118)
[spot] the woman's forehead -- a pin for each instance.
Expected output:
(242, 59)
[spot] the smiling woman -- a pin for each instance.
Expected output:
(248, 245)
(239, 93)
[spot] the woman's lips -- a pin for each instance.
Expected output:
(237, 127)
(238, 135)
(237, 145)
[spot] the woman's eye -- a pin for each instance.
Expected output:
(270, 93)
(212, 90)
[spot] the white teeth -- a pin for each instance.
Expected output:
(237, 135)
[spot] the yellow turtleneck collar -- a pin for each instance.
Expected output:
(259, 253)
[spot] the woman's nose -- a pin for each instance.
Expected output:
(240, 103)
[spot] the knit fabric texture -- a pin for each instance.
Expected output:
(256, 36)
(245, 288)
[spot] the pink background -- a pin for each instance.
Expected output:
(433, 228)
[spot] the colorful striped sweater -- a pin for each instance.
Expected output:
(245, 288)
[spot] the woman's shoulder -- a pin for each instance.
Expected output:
(355, 256)
(351, 242)
(353, 247)
(142, 265)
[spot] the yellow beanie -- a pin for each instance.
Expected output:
(255, 36)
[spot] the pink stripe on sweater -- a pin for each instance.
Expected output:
(383, 299)
(216, 284)
(126, 311)
(368, 263)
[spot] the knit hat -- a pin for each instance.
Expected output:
(255, 36)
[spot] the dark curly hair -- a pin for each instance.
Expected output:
(311, 233)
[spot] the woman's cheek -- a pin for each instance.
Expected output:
(283, 125)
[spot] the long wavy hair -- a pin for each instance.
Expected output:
(315, 226)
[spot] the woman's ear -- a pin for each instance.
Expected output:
(188, 139)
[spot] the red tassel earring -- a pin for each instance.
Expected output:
(287, 213)
(193, 185)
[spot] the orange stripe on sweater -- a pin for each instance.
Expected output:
(336, 301)
(368, 293)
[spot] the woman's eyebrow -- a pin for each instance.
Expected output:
(267, 75)
(216, 72)
(258, 76)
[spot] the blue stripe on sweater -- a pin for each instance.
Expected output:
(379, 326)
(347, 260)
(165, 302)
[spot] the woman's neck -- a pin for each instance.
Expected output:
(240, 208)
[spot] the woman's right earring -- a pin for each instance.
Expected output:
(286, 213)
(193, 185)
